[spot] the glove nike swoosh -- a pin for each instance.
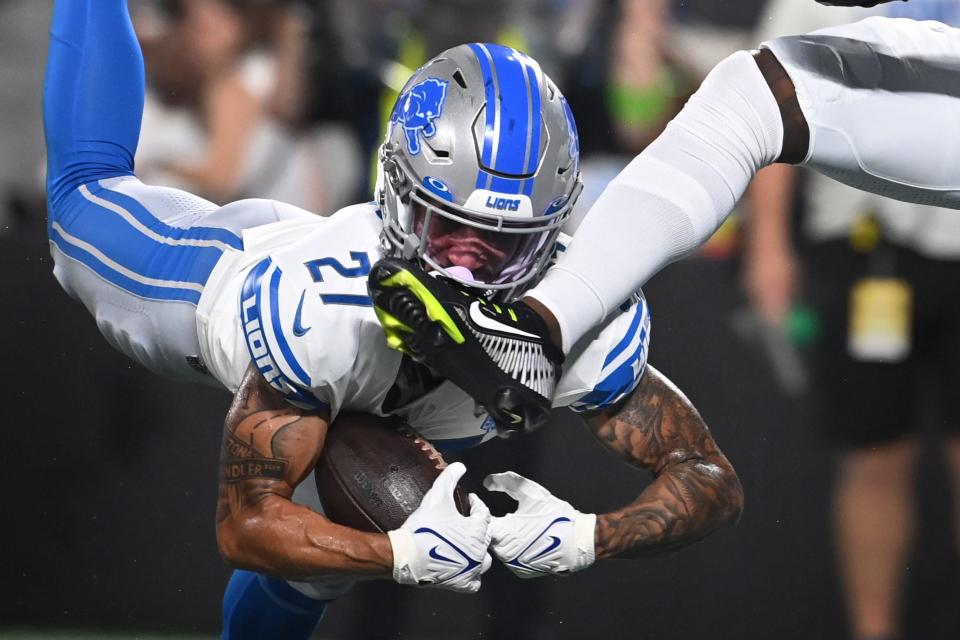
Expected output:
(436, 555)
(471, 563)
(554, 543)
(517, 562)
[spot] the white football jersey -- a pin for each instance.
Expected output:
(295, 302)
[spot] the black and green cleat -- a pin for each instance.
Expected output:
(497, 353)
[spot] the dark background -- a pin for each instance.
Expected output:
(107, 518)
(110, 477)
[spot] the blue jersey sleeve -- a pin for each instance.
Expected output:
(281, 365)
(608, 365)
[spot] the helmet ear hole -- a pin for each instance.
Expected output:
(438, 153)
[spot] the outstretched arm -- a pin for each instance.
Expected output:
(695, 489)
(268, 448)
(825, 99)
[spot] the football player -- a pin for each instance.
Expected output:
(873, 104)
(479, 171)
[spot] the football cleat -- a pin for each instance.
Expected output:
(497, 353)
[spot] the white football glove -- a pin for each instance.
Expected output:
(439, 547)
(545, 535)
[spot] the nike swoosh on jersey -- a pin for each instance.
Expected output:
(298, 329)
(482, 320)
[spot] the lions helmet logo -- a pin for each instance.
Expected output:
(418, 108)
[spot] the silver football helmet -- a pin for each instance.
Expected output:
(480, 143)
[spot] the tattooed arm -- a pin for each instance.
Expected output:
(268, 449)
(695, 490)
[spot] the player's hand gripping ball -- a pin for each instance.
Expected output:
(438, 546)
(375, 474)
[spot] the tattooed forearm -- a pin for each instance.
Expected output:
(243, 463)
(695, 489)
(255, 459)
(267, 445)
(268, 448)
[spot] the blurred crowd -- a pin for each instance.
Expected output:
(849, 294)
(286, 99)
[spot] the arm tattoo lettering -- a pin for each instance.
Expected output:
(268, 446)
(268, 449)
(243, 462)
(695, 489)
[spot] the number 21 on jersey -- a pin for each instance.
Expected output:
(332, 266)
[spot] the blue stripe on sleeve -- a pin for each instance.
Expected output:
(627, 375)
(252, 318)
(130, 248)
(148, 219)
(611, 389)
(278, 329)
(628, 336)
(120, 280)
(622, 381)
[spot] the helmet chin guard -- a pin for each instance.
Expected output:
(482, 140)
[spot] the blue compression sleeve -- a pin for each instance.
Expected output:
(93, 95)
(257, 607)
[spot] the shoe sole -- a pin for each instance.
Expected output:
(433, 335)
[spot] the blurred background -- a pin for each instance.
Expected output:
(818, 333)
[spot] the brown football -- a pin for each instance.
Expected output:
(373, 472)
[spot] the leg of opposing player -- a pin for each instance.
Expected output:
(879, 98)
(882, 99)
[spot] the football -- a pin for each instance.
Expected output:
(374, 471)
